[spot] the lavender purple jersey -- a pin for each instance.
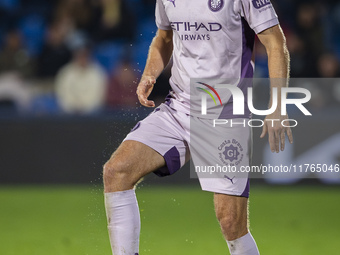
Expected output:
(213, 39)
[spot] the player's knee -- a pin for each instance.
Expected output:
(115, 171)
(232, 226)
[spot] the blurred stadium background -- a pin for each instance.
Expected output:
(68, 73)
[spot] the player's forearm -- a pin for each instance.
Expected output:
(278, 60)
(279, 63)
(279, 66)
(160, 52)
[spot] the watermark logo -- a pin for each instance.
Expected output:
(238, 103)
(238, 100)
(204, 98)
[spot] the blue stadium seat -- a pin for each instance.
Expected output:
(45, 104)
(337, 50)
(146, 30)
(140, 53)
(136, 7)
(33, 30)
(133, 2)
(109, 54)
(10, 5)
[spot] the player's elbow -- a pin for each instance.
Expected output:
(274, 40)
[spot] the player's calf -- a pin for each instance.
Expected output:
(231, 212)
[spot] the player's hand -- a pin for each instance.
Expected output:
(144, 89)
(276, 132)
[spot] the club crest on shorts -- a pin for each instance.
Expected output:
(231, 152)
(215, 5)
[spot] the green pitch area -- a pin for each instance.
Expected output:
(175, 221)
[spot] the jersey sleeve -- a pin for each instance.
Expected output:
(162, 20)
(259, 14)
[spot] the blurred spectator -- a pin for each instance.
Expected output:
(81, 85)
(14, 94)
(55, 53)
(102, 20)
(14, 57)
(123, 84)
(328, 66)
(122, 87)
(85, 20)
(310, 30)
(296, 47)
(311, 27)
(117, 22)
(15, 65)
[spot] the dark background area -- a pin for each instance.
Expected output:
(73, 150)
(44, 140)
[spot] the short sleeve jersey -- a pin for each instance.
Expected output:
(212, 39)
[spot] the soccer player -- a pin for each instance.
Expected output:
(208, 39)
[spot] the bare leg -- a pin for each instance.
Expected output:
(128, 164)
(232, 214)
(126, 167)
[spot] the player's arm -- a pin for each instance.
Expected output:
(278, 63)
(160, 52)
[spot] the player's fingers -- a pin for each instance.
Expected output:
(277, 140)
(144, 101)
(147, 84)
(141, 96)
(271, 139)
(139, 92)
(143, 87)
(152, 80)
(290, 135)
(143, 91)
(150, 103)
(283, 140)
(264, 131)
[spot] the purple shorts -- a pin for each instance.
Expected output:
(168, 132)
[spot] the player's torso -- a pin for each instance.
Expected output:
(198, 24)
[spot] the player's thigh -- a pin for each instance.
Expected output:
(134, 159)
